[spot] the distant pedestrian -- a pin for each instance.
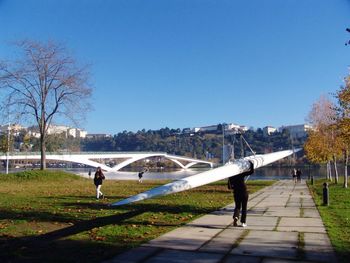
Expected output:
(141, 174)
(298, 174)
(240, 195)
(294, 175)
(98, 179)
(89, 173)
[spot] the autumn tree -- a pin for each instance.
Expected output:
(343, 122)
(324, 141)
(44, 83)
(316, 147)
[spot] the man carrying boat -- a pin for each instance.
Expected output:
(240, 195)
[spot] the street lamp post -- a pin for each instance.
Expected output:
(8, 148)
(223, 143)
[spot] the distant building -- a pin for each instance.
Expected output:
(268, 130)
(58, 129)
(33, 133)
(297, 131)
(14, 129)
(228, 127)
(186, 130)
(206, 129)
(97, 135)
(81, 133)
(76, 133)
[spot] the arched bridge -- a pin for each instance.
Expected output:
(97, 159)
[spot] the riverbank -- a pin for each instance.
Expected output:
(54, 215)
(336, 216)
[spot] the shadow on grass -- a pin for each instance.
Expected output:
(37, 246)
(62, 251)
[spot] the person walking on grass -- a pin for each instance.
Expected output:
(141, 174)
(98, 179)
(240, 195)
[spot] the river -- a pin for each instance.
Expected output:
(264, 173)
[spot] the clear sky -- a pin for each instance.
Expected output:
(190, 63)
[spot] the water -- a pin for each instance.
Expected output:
(264, 173)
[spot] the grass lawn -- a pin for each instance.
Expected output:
(54, 216)
(336, 216)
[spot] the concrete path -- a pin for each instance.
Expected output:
(283, 226)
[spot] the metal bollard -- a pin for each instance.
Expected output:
(325, 194)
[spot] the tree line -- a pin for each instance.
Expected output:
(329, 142)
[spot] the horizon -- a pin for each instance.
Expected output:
(177, 63)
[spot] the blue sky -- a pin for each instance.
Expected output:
(190, 63)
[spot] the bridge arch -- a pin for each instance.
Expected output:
(86, 158)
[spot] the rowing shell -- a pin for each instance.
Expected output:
(230, 169)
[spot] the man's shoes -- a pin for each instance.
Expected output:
(244, 225)
(235, 220)
(102, 196)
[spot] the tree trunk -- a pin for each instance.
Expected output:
(330, 178)
(42, 152)
(346, 169)
(327, 171)
(335, 169)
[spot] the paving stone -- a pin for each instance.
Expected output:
(313, 225)
(271, 203)
(268, 243)
(241, 259)
(261, 222)
(223, 242)
(212, 221)
(294, 200)
(252, 203)
(283, 211)
(186, 238)
(178, 256)
(311, 212)
(133, 255)
(281, 260)
(293, 205)
(225, 212)
(256, 211)
(309, 205)
(307, 197)
(318, 248)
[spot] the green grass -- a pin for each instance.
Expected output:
(336, 216)
(54, 215)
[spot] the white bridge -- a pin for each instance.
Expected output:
(117, 160)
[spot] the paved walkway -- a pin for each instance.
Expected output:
(283, 226)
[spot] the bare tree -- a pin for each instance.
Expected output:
(43, 83)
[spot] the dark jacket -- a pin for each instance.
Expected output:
(99, 177)
(237, 182)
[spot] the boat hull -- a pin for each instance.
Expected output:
(230, 169)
